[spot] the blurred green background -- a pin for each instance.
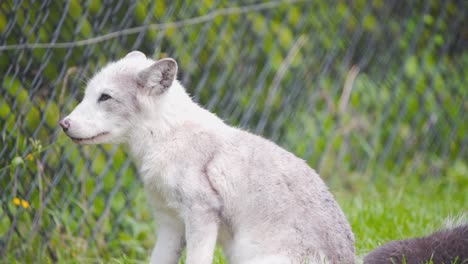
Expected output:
(373, 94)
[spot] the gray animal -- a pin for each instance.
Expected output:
(206, 181)
(445, 246)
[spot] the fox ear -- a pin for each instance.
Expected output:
(135, 53)
(157, 78)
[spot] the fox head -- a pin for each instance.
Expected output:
(117, 96)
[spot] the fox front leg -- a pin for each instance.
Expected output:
(170, 241)
(201, 231)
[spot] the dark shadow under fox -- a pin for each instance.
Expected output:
(444, 246)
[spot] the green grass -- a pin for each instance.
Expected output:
(378, 210)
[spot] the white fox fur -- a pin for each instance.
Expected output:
(209, 182)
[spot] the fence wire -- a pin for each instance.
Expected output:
(368, 88)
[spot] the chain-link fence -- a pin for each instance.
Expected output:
(368, 88)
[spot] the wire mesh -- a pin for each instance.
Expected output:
(371, 88)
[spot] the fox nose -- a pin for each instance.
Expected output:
(65, 124)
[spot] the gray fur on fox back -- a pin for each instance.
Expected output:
(209, 182)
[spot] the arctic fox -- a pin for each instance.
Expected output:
(208, 182)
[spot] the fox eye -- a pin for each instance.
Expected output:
(104, 97)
